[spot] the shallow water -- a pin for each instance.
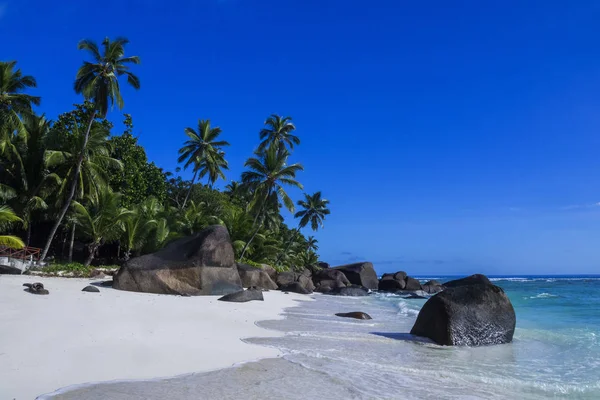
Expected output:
(555, 353)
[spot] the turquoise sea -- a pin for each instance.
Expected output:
(555, 353)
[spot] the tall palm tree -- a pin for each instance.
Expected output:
(101, 219)
(267, 176)
(314, 212)
(278, 130)
(98, 81)
(8, 217)
(13, 102)
(203, 151)
(311, 244)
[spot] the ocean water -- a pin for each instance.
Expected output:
(555, 353)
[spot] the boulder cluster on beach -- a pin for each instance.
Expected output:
(469, 311)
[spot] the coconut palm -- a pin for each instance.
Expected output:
(267, 176)
(7, 218)
(314, 212)
(311, 244)
(98, 81)
(203, 151)
(278, 130)
(101, 219)
(13, 102)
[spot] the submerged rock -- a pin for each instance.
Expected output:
(362, 274)
(355, 315)
(469, 315)
(202, 264)
(91, 289)
(243, 296)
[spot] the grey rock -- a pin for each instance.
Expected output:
(412, 284)
(91, 289)
(252, 276)
(243, 296)
(294, 287)
(36, 288)
(202, 264)
(352, 290)
(362, 274)
(469, 280)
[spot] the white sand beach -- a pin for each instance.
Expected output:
(71, 337)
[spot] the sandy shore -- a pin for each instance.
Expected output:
(71, 337)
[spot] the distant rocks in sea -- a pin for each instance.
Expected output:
(469, 312)
(401, 283)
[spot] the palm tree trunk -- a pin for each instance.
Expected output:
(71, 241)
(88, 260)
(187, 196)
(69, 199)
(28, 236)
(262, 206)
(288, 245)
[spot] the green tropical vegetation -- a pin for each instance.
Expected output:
(87, 194)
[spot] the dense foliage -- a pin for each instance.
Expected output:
(77, 189)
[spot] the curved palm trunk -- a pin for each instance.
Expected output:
(69, 199)
(187, 196)
(90, 258)
(288, 246)
(254, 223)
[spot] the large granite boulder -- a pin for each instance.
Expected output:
(329, 279)
(389, 284)
(285, 278)
(272, 272)
(412, 284)
(469, 315)
(304, 278)
(322, 265)
(432, 287)
(294, 287)
(362, 274)
(253, 276)
(469, 280)
(287, 281)
(202, 264)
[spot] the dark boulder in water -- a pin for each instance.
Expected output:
(469, 280)
(243, 296)
(362, 274)
(470, 315)
(355, 315)
(412, 284)
(432, 287)
(202, 264)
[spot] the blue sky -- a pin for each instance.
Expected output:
(449, 138)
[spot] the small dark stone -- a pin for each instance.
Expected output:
(243, 296)
(35, 288)
(91, 289)
(355, 315)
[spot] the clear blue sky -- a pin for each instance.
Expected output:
(449, 138)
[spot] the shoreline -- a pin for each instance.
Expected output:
(69, 338)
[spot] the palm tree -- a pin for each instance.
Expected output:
(267, 175)
(8, 217)
(13, 102)
(203, 151)
(101, 220)
(30, 178)
(314, 211)
(278, 130)
(98, 81)
(311, 244)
